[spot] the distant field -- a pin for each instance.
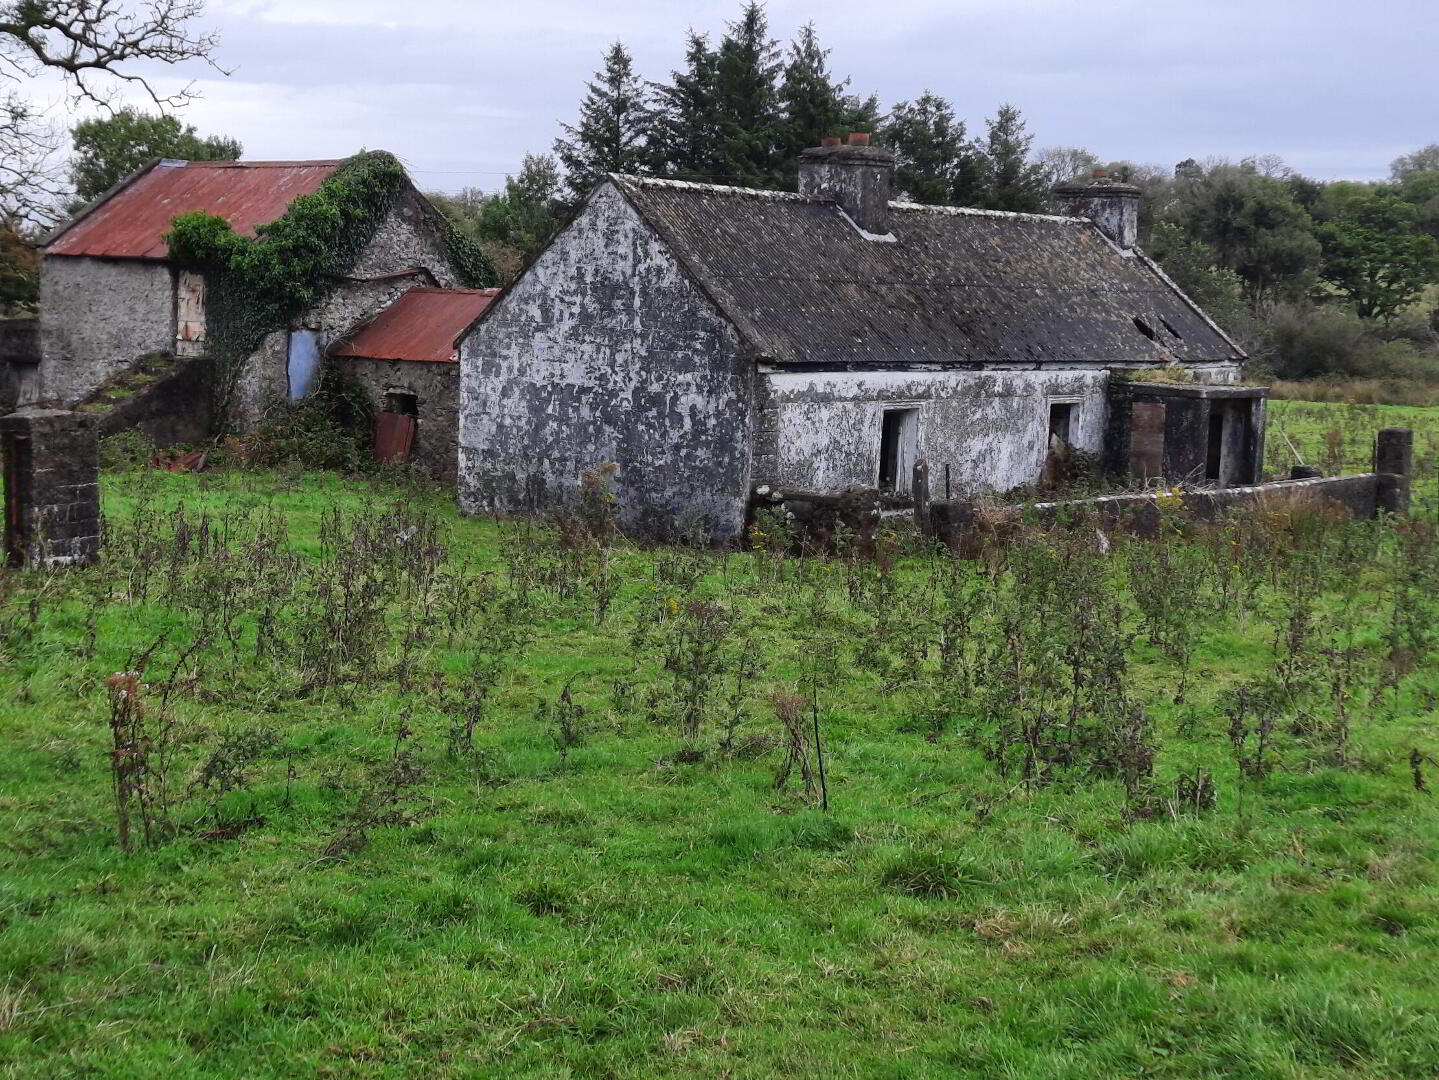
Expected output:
(1340, 437)
(1035, 862)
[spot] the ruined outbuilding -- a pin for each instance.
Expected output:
(716, 342)
(406, 358)
(113, 303)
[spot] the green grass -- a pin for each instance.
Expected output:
(1339, 438)
(628, 914)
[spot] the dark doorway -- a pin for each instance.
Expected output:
(898, 448)
(404, 404)
(1214, 454)
(1061, 421)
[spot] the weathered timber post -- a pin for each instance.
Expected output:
(52, 488)
(919, 488)
(1393, 462)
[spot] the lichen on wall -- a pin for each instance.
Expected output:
(604, 350)
(986, 430)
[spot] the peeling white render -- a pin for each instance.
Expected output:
(604, 351)
(986, 430)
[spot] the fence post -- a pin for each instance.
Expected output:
(1393, 462)
(919, 488)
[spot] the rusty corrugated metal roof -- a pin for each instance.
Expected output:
(799, 280)
(423, 324)
(131, 222)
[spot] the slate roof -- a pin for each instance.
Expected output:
(129, 222)
(803, 285)
(424, 324)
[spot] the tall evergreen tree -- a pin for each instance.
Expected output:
(683, 132)
(610, 134)
(814, 105)
(1008, 179)
(929, 147)
(746, 103)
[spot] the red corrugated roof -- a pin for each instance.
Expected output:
(132, 221)
(424, 324)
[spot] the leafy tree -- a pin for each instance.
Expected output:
(530, 209)
(1254, 227)
(96, 45)
(1423, 160)
(19, 270)
(747, 113)
(112, 147)
(1064, 164)
(684, 130)
(931, 152)
(1195, 269)
(1374, 254)
(609, 137)
(1008, 180)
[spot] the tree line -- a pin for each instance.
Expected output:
(1313, 277)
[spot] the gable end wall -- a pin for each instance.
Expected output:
(605, 351)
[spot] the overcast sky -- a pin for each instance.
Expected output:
(462, 89)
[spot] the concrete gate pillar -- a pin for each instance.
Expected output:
(52, 488)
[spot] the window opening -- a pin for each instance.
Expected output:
(898, 448)
(1145, 329)
(405, 404)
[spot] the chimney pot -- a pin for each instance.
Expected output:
(859, 138)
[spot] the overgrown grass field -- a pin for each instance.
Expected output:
(404, 794)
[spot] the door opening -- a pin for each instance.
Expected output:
(304, 361)
(1061, 422)
(898, 448)
(1214, 453)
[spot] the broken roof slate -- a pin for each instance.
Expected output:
(803, 285)
(131, 222)
(424, 324)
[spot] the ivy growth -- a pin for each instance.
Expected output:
(259, 286)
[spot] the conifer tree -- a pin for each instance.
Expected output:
(610, 134)
(683, 133)
(746, 103)
(931, 153)
(1008, 180)
(814, 105)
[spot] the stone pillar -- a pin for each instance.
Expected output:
(1393, 462)
(52, 490)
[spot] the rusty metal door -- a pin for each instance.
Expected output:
(1146, 440)
(394, 436)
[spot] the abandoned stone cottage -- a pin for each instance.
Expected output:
(111, 297)
(407, 360)
(712, 340)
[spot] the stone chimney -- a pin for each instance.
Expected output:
(856, 175)
(1109, 203)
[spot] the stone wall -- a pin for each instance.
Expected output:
(264, 379)
(988, 429)
(97, 317)
(52, 492)
(604, 350)
(19, 355)
(435, 387)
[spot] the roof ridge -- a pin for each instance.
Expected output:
(961, 211)
(715, 189)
